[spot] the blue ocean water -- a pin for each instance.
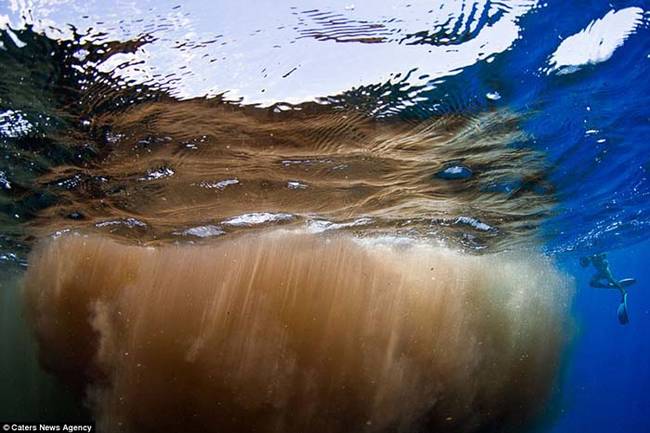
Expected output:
(602, 179)
(577, 72)
(605, 385)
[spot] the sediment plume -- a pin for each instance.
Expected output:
(284, 331)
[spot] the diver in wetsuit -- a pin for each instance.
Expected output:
(603, 279)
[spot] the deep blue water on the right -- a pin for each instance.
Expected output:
(605, 387)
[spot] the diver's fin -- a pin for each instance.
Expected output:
(623, 318)
(626, 282)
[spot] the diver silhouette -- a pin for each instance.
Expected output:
(603, 279)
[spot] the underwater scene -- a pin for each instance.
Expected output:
(325, 216)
